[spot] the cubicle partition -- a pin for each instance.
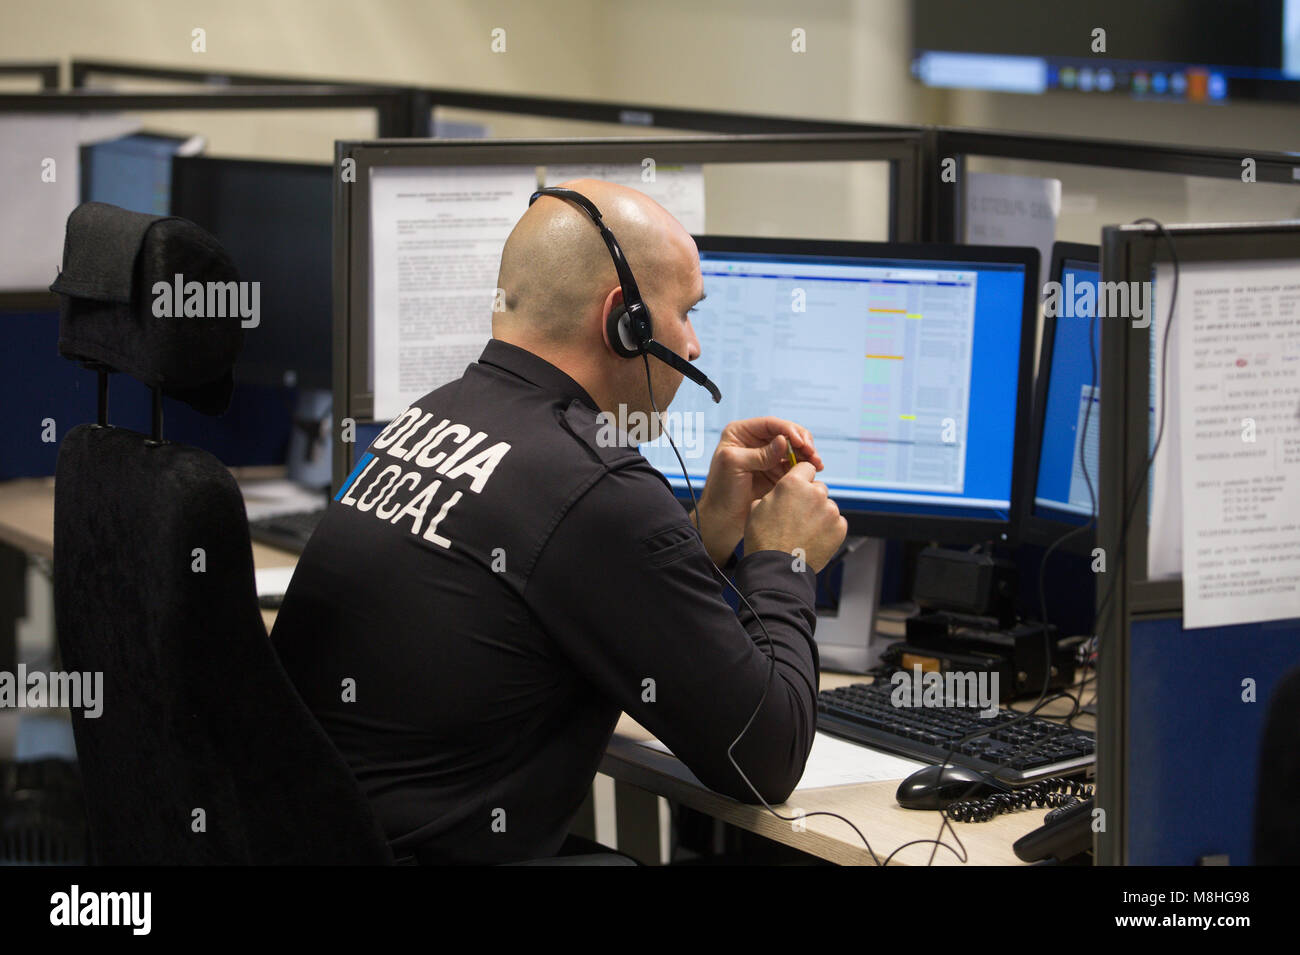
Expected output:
(1177, 183)
(386, 104)
(46, 74)
(41, 386)
(1181, 708)
(1200, 181)
(795, 158)
(421, 104)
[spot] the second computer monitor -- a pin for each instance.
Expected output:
(910, 365)
(274, 219)
(1067, 408)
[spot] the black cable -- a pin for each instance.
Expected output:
(1042, 586)
(1045, 794)
(1124, 528)
(1103, 606)
(771, 670)
(1087, 478)
(1093, 333)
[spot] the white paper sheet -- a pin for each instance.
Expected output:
(837, 762)
(272, 497)
(435, 242)
(1239, 388)
(679, 188)
(273, 581)
(1013, 210)
(36, 211)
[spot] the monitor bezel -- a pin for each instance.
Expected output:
(1037, 528)
(184, 169)
(925, 527)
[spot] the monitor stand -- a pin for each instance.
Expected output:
(309, 458)
(846, 639)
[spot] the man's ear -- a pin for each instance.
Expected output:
(612, 301)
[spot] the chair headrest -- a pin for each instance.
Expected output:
(155, 297)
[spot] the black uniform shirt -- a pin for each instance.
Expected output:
(495, 582)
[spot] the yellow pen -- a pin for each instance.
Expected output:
(789, 450)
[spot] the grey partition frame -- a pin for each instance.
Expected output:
(941, 216)
(388, 106)
(945, 205)
(48, 73)
(352, 210)
(421, 101)
(1129, 253)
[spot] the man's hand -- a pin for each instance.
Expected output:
(797, 516)
(752, 456)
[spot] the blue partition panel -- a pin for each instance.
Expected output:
(1193, 747)
(36, 384)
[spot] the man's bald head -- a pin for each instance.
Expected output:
(556, 269)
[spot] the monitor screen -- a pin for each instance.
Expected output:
(134, 172)
(275, 220)
(1199, 51)
(905, 363)
(1069, 424)
(1071, 416)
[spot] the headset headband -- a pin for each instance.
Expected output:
(634, 313)
(631, 293)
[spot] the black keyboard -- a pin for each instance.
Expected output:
(1032, 749)
(286, 531)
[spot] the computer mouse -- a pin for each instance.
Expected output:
(929, 789)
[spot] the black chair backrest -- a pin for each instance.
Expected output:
(202, 752)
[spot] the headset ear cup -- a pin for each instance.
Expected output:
(619, 329)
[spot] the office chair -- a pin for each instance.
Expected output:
(203, 752)
(1277, 797)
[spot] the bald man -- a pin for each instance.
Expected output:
(499, 578)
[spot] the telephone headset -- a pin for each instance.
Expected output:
(630, 330)
(631, 334)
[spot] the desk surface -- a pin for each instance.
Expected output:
(27, 523)
(869, 806)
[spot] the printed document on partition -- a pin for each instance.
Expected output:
(1013, 210)
(679, 187)
(436, 236)
(39, 186)
(1239, 391)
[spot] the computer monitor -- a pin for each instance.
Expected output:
(1066, 429)
(133, 172)
(910, 365)
(275, 221)
(1065, 436)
